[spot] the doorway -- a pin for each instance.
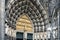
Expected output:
(19, 36)
(29, 36)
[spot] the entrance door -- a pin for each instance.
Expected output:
(29, 36)
(19, 36)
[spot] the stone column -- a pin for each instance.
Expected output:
(2, 14)
(58, 26)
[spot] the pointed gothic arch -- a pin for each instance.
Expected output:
(30, 7)
(34, 10)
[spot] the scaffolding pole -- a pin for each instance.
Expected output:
(2, 11)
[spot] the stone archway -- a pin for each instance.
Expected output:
(33, 9)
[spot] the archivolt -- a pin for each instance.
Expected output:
(30, 7)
